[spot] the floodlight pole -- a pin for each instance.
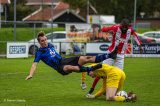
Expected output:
(52, 16)
(6, 12)
(34, 36)
(0, 13)
(42, 9)
(134, 19)
(87, 9)
(134, 23)
(15, 20)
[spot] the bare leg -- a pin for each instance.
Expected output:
(70, 68)
(86, 59)
(95, 59)
(110, 93)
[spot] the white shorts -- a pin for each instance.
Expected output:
(119, 62)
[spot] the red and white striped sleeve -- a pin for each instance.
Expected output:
(136, 37)
(106, 29)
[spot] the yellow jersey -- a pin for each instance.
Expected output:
(104, 71)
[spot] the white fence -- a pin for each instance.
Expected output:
(20, 49)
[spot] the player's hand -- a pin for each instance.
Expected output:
(90, 96)
(28, 77)
(132, 97)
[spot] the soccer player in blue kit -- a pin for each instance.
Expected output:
(64, 66)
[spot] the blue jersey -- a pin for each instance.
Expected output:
(49, 56)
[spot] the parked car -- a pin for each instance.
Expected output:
(145, 39)
(152, 34)
(53, 37)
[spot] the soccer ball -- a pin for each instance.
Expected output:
(122, 93)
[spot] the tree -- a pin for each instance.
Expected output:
(119, 8)
(76, 3)
(21, 10)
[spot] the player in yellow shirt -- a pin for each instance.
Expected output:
(113, 80)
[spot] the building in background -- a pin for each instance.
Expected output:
(148, 23)
(101, 19)
(4, 9)
(53, 12)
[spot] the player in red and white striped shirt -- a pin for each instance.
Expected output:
(121, 35)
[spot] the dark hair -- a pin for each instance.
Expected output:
(40, 34)
(125, 23)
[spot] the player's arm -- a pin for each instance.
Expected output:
(102, 90)
(32, 70)
(106, 29)
(110, 29)
(137, 41)
(94, 84)
(136, 38)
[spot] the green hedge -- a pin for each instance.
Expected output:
(22, 34)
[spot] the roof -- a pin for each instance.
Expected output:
(47, 13)
(43, 14)
(5, 1)
(40, 2)
(68, 15)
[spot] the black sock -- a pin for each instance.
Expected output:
(91, 90)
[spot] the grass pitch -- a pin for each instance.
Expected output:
(48, 88)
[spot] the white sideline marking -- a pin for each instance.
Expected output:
(3, 74)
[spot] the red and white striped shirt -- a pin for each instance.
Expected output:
(120, 39)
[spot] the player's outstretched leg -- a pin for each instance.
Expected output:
(113, 55)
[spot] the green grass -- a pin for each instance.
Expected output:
(48, 88)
